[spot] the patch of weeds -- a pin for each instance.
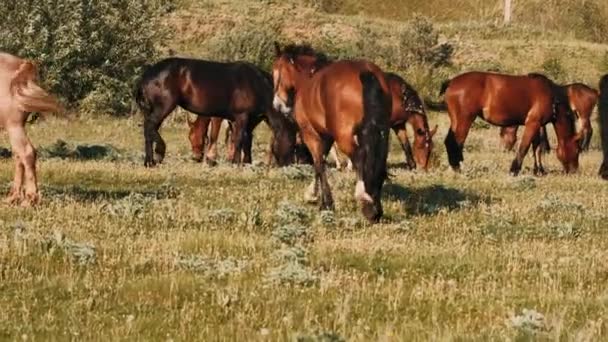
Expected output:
(169, 188)
(83, 254)
(530, 321)
(405, 226)
(297, 172)
(523, 183)
(327, 218)
(554, 204)
(63, 150)
(134, 205)
(292, 254)
(563, 230)
(292, 273)
(319, 337)
(289, 233)
(291, 213)
(350, 223)
(211, 267)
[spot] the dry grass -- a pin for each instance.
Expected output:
(189, 252)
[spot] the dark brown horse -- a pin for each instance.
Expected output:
(603, 110)
(582, 101)
(239, 92)
(347, 102)
(407, 108)
(504, 100)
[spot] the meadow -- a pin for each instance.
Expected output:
(187, 252)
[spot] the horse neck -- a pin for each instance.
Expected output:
(419, 121)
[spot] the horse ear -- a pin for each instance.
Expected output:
(277, 48)
(434, 130)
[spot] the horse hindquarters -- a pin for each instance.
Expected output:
(372, 146)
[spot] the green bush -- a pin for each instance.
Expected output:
(253, 43)
(89, 52)
(553, 67)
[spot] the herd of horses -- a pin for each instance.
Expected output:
(313, 104)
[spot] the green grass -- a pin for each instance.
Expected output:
(455, 258)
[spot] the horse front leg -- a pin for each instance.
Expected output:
(318, 149)
(531, 131)
(401, 133)
(537, 150)
(454, 142)
(239, 133)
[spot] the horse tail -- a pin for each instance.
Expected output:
(444, 86)
(372, 140)
(603, 118)
(440, 106)
(29, 96)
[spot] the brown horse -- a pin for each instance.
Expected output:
(582, 101)
(504, 100)
(347, 102)
(19, 96)
(407, 108)
(239, 92)
(199, 139)
(603, 110)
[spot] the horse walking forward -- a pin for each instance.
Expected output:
(239, 92)
(603, 110)
(19, 96)
(532, 100)
(347, 102)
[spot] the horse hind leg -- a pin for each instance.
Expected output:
(152, 122)
(211, 154)
(318, 148)
(454, 143)
(531, 131)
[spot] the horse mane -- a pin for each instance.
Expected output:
(560, 93)
(293, 51)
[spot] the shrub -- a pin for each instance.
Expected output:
(90, 52)
(419, 44)
(553, 67)
(253, 43)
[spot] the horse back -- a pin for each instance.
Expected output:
(212, 88)
(333, 99)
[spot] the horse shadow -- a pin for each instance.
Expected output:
(432, 199)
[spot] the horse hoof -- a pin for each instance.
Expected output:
(12, 199)
(158, 158)
(211, 162)
(197, 158)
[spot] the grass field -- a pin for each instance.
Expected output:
(189, 252)
(185, 251)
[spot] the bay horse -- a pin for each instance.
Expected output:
(603, 111)
(345, 101)
(532, 100)
(582, 101)
(407, 107)
(19, 96)
(236, 91)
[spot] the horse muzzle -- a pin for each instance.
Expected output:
(281, 106)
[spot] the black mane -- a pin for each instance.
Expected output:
(295, 50)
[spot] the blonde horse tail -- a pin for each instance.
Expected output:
(28, 94)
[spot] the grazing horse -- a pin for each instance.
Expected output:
(532, 100)
(239, 92)
(19, 96)
(582, 101)
(407, 108)
(603, 110)
(199, 138)
(347, 102)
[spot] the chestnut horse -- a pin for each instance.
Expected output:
(407, 108)
(239, 92)
(603, 111)
(19, 96)
(347, 102)
(532, 100)
(199, 138)
(582, 101)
